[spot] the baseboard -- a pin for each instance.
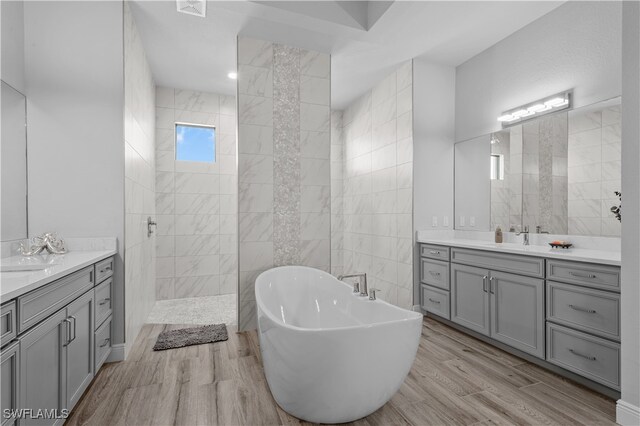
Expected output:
(117, 353)
(627, 414)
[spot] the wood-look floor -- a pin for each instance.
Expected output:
(456, 379)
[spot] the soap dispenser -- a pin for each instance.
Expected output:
(498, 235)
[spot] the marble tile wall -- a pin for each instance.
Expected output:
(196, 202)
(284, 184)
(594, 171)
(140, 163)
(544, 174)
(337, 194)
(501, 188)
(378, 196)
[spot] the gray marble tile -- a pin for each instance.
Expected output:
(256, 227)
(315, 64)
(255, 52)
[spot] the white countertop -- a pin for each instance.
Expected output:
(14, 284)
(572, 254)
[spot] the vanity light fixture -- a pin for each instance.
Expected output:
(232, 75)
(536, 109)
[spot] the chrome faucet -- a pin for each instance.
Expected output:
(540, 231)
(525, 235)
(356, 284)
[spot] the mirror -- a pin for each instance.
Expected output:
(557, 174)
(13, 147)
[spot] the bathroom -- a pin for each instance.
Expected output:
(233, 169)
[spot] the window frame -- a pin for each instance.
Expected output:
(201, 126)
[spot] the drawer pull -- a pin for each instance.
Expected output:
(434, 252)
(434, 301)
(577, 275)
(105, 301)
(578, 308)
(590, 358)
(103, 270)
(437, 274)
(105, 343)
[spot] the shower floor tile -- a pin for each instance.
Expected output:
(195, 310)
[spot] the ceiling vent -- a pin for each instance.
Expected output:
(193, 7)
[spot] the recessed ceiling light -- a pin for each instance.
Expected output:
(232, 75)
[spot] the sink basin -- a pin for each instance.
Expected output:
(22, 268)
(27, 264)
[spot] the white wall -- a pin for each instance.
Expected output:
(575, 46)
(13, 44)
(139, 184)
(433, 144)
(73, 61)
(433, 140)
(630, 399)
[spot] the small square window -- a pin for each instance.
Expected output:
(195, 143)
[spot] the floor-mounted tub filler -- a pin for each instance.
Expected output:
(329, 354)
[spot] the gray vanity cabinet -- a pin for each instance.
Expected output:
(470, 298)
(79, 351)
(9, 371)
(517, 311)
(42, 368)
(56, 359)
(507, 307)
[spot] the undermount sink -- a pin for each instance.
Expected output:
(27, 264)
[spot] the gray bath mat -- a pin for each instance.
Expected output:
(191, 336)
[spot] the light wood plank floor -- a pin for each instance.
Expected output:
(456, 379)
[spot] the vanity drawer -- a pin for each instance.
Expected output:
(103, 301)
(8, 322)
(525, 265)
(434, 273)
(592, 357)
(104, 269)
(39, 304)
(588, 274)
(593, 311)
(435, 301)
(102, 342)
(434, 252)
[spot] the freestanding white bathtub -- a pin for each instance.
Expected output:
(329, 355)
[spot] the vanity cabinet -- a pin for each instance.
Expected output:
(42, 366)
(563, 313)
(583, 320)
(434, 279)
(52, 360)
(470, 298)
(9, 371)
(506, 307)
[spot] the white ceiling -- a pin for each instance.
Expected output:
(197, 53)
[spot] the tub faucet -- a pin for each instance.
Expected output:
(356, 285)
(372, 293)
(525, 235)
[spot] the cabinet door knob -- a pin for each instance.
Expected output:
(434, 301)
(105, 301)
(484, 283)
(105, 343)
